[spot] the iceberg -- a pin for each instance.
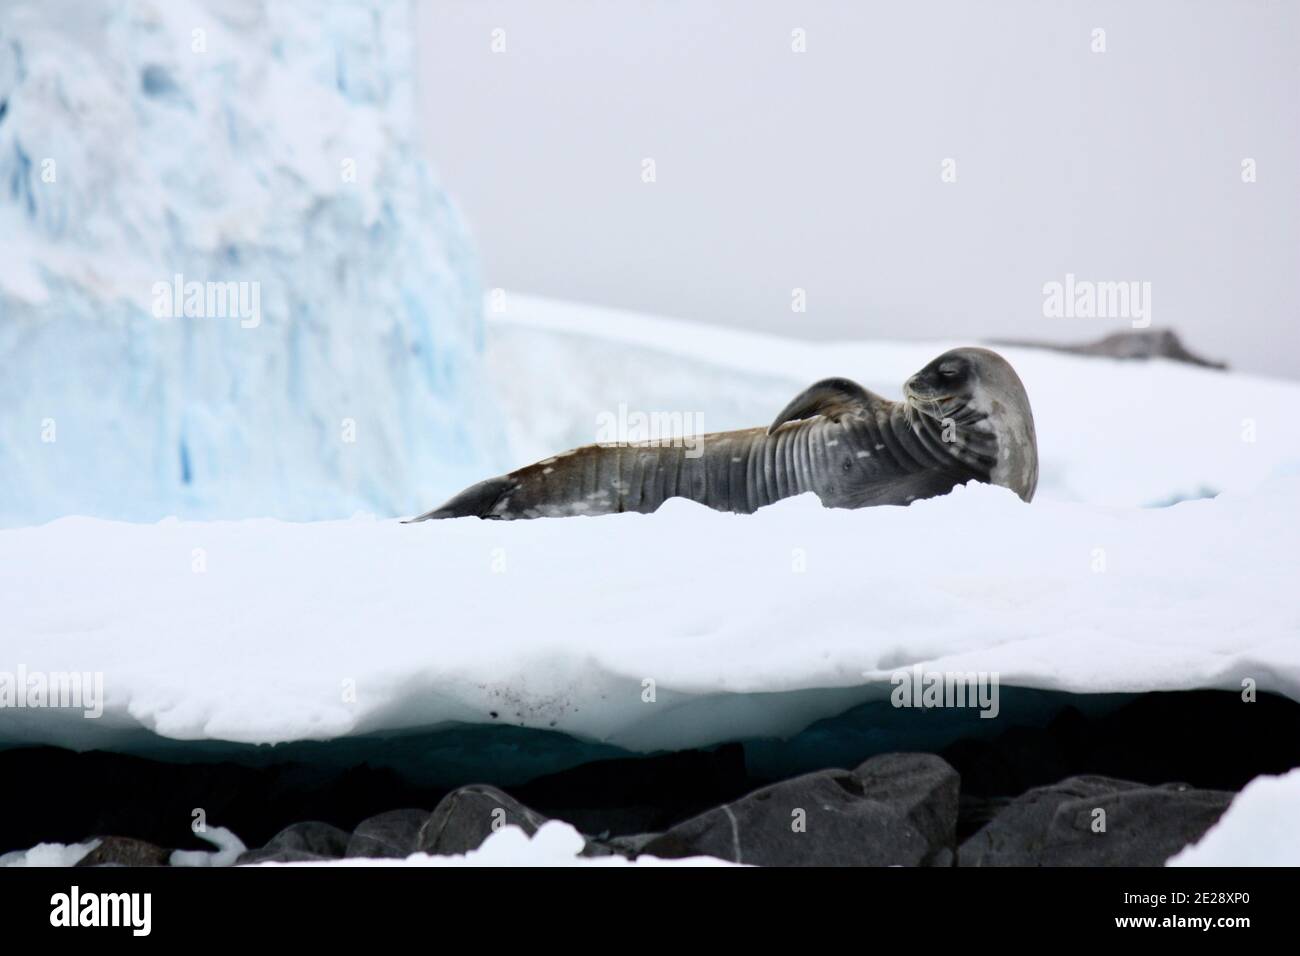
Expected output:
(230, 286)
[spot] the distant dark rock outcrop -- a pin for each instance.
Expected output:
(1134, 344)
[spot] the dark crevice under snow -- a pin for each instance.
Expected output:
(149, 786)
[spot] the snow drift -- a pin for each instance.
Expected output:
(266, 631)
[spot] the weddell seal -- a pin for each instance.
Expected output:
(964, 417)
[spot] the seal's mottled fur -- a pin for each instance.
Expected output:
(964, 417)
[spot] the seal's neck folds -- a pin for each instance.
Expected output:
(953, 432)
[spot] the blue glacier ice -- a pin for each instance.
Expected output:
(229, 283)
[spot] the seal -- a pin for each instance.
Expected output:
(964, 417)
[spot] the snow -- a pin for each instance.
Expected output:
(263, 631)
(48, 854)
(1260, 828)
(554, 844)
(282, 154)
(228, 847)
(690, 627)
(1125, 434)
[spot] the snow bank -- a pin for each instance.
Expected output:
(49, 854)
(265, 631)
(1126, 434)
(1260, 828)
(267, 144)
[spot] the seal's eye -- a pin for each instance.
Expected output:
(949, 370)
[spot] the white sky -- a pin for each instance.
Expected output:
(821, 170)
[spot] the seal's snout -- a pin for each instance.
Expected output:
(922, 391)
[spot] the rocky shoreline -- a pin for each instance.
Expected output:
(893, 810)
(1129, 787)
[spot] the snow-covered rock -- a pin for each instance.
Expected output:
(147, 146)
(1260, 828)
(229, 847)
(554, 844)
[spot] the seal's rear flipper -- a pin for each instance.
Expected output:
(475, 501)
(831, 397)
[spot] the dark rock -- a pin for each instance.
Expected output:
(630, 846)
(312, 836)
(468, 816)
(1145, 344)
(922, 786)
(1129, 344)
(312, 840)
(124, 851)
(391, 835)
(1053, 825)
(895, 809)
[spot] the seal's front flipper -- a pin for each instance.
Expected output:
(831, 397)
(475, 501)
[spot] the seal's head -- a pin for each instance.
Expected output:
(974, 400)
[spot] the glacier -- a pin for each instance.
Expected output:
(157, 146)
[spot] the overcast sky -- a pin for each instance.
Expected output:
(823, 170)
